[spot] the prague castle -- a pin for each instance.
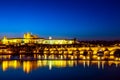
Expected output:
(29, 38)
(17, 46)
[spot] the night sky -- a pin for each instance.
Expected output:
(83, 19)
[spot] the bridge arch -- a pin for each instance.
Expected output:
(106, 52)
(85, 53)
(117, 53)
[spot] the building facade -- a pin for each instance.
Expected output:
(29, 38)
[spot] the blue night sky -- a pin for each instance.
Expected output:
(83, 19)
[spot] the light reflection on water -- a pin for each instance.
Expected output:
(28, 66)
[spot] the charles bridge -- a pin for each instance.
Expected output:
(71, 51)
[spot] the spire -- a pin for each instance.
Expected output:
(4, 37)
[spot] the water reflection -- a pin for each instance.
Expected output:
(58, 57)
(28, 66)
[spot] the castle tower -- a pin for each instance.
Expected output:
(4, 40)
(25, 36)
(28, 35)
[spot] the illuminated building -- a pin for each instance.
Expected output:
(29, 38)
(57, 41)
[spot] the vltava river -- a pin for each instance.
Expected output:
(59, 70)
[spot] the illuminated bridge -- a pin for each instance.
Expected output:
(63, 52)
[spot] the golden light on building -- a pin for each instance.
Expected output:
(30, 38)
(4, 40)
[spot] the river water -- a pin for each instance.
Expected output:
(59, 70)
